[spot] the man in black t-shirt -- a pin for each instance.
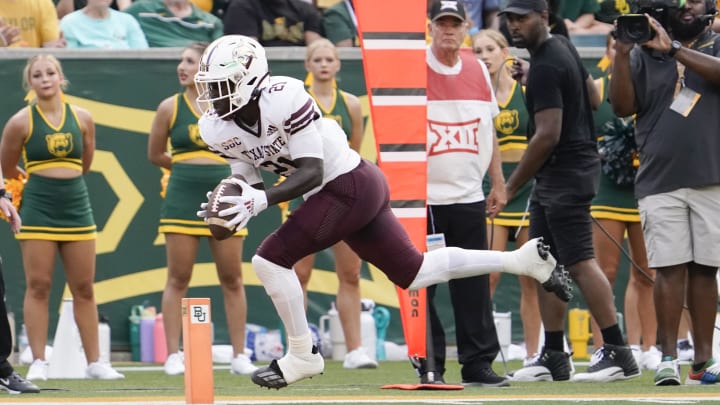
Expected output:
(562, 156)
(274, 22)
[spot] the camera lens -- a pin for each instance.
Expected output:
(634, 28)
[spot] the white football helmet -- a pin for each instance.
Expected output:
(233, 67)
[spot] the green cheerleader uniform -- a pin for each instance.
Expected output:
(511, 126)
(55, 209)
(189, 183)
(611, 201)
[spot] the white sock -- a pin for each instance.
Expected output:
(283, 287)
(300, 345)
(449, 263)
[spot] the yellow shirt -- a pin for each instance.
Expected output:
(37, 20)
(204, 5)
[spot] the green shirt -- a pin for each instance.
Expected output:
(162, 29)
(572, 9)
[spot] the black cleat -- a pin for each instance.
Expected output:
(270, 376)
(559, 283)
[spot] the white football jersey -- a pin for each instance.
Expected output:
(290, 127)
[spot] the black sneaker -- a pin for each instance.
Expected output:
(549, 365)
(15, 384)
(486, 377)
(610, 363)
(432, 377)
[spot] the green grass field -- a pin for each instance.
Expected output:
(337, 385)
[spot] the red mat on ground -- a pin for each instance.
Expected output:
(410, 387)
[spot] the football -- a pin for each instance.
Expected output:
(217, 224)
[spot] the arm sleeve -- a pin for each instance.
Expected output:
(136, 36)
(301, 125)
(50, 26)
(249, 172)
(547, 87)
(335, 27)
(312, 19)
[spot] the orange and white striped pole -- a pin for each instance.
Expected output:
(197, 349)
(392, 37)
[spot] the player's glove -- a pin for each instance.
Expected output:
(203, 207)
(250, 203)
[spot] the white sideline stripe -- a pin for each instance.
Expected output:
(409, 212)
(403, 156)
(665, 399)
(398, 100)
(397, 44)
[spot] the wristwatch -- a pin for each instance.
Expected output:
(5, 194)
(674, 47)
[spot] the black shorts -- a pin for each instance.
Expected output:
(567, 228)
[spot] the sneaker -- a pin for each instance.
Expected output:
(710, 374)
(15, 384)
(637, 354)
(38, 371)
(685, 350)
(668, 372)
(534, 259)
(101, 370)
(241, 364)
(651, 359)
(359, 358)
(548, 365)
(175, 364)
(289, 369)
(610, 363)
(486, 377)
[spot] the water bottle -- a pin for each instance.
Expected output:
(23, 342)
(135, 314)
(147, 327)
(104, 338)
(368, 331)
(159, 346)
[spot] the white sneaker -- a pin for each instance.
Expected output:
(241, 364)
(38, 371)
(175, 364)
(685, 350)
(651, 359)
(101, 370)
(359, 358)
(637, 354)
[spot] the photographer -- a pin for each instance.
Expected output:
(672, 83)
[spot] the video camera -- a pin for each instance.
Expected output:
(636, 27)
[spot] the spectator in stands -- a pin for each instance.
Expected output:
(175, 23)
(65, 7)
(8, 34)
(37, 21)
(98, 26)
(579, 16)
(482, 14)
(610, 10)
(716, 23)
(275, 22)
(340, 25)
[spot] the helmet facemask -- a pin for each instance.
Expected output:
(233, 68)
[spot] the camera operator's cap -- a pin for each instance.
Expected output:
(524, 7)
(441, 8)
